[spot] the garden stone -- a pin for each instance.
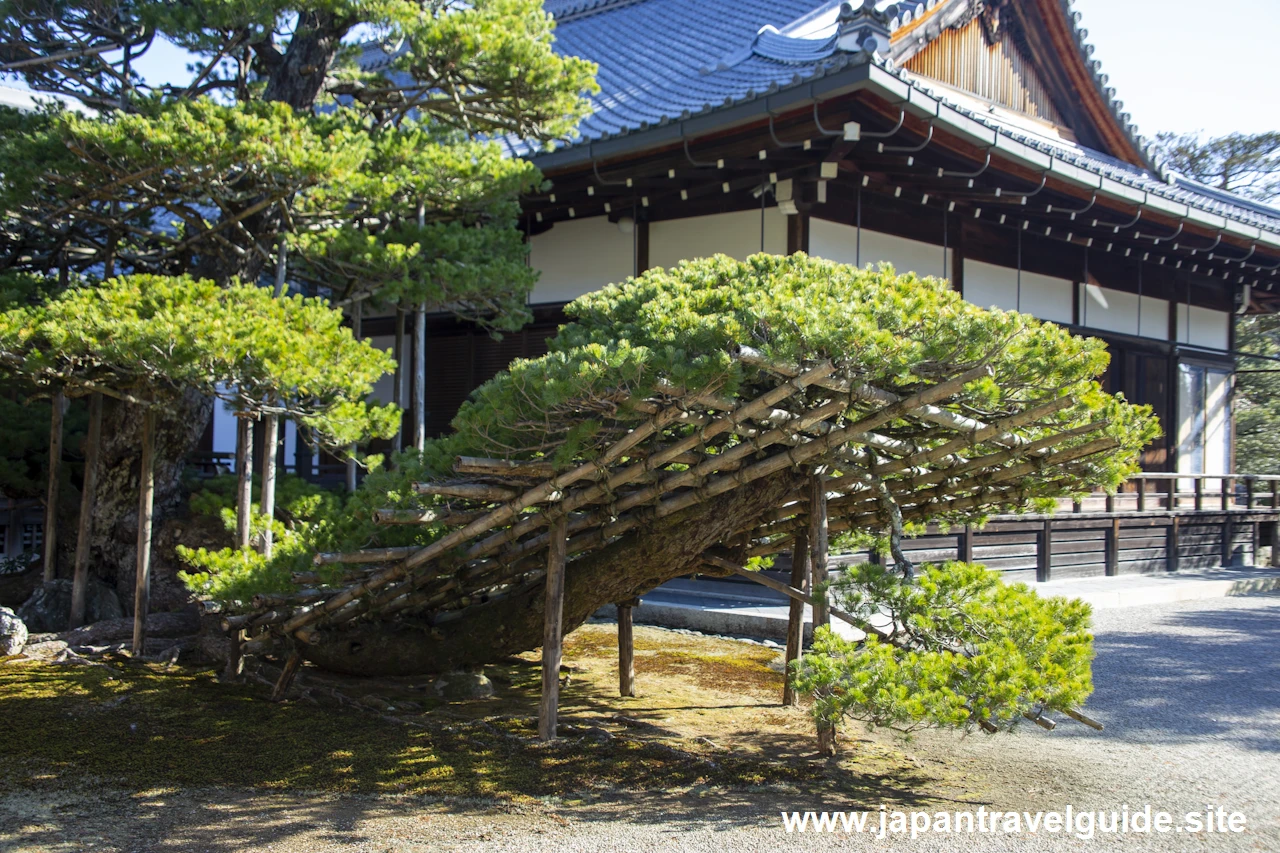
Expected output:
(13, 633)
(464, 685)
(49, 607)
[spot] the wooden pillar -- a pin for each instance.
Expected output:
(146, 495)
(244, 478)
(552, 639)
(795, 616)
(798, 233)
(93, 449)
(626, 649)
(1171, 545)
(642, 246)
(965, 554)
(1044, 552)
(1228, 522)
(420, 377)
(818, 549)
(51, 493)
(1112, 545)
(267, 501)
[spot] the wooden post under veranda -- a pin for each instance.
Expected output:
(800, 557)
(92, 451)
(626, 648)
(397, 391)
(146, 499)
(57, 410)
(420, 377)
(818, 542)
(553, 624)
(244, 477)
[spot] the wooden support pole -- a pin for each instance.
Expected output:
(1275, 544)
(51, 494)
(626, 649)
(397, 390)
(286, 676)
(235, 654)
(244, 478)
(795, 616)
(1113, 548)
(1171, 545)
(267, 501)
(357, 330)
(420, 377)
(146, 499)
(552, 641)
(93, 449)
(818, 549)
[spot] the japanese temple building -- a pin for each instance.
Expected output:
(975, 140)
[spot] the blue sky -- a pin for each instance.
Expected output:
(1175, 65)
(1188, 65)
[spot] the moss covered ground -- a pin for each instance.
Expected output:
(707, 717)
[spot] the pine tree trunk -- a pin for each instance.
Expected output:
(420, 377)
(113, 539)
(628, 568)
(92, 453)
(397, 392)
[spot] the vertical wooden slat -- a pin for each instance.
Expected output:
(93, 449)
(244, 478)
(800, 558)
(1171, 545)
(626, 649)
(1199, 494)
(146, 495)
(1142, 495)
(966, 544)
(55, 480)
(553, 614)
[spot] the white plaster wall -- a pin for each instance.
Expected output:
(1208, 328)
(991, 286)
(1121, 313)
(224, 428)
(580, 256)
(837, 242)
(734, 234)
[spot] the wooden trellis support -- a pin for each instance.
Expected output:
(626, 648)
(553, 631)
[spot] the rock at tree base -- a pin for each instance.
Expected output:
(49, 607)
(464, 685)
(13, 633)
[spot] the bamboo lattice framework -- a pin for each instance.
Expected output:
(891, 459)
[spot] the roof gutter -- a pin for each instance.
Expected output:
(870, 77)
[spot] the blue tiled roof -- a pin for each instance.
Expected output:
(663, 61)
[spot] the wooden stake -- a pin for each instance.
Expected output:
(235, 655)
(267, 502)
(397, 391)
(818, 549)
(795, 616)
(286, 676)
(51, 495)
(420, 377)
(93, 449)
(244, 475)
(553, 614)
(146, 495)
(626, 649)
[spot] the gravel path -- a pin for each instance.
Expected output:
(1189, 692)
